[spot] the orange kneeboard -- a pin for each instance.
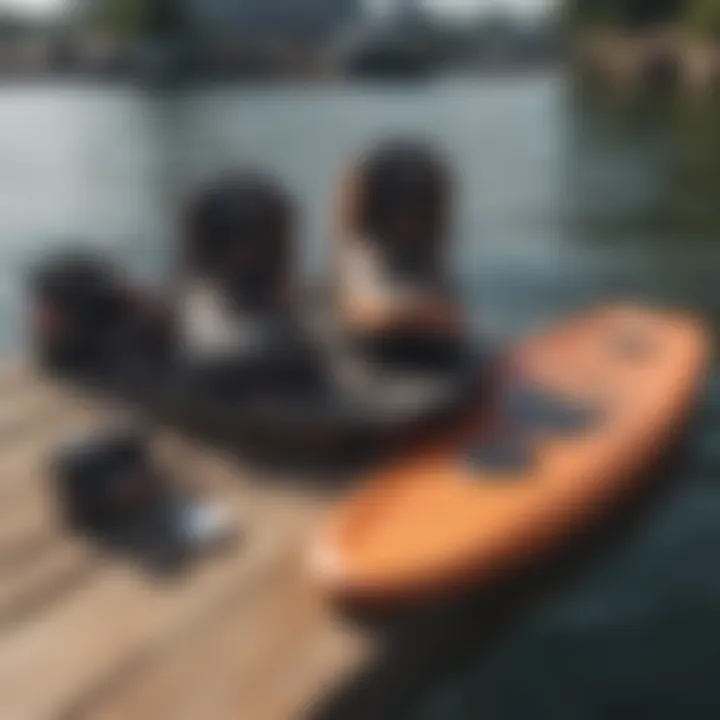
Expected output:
(605, 393)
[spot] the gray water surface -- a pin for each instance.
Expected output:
(566, 199)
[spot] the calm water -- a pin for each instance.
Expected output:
(566, 200)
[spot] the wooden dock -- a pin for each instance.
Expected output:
(242, 635)
(83, 635)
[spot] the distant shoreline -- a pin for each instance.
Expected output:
(665, 56)
(510, 70)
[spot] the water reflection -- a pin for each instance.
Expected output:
(634, 635)
(644, 178)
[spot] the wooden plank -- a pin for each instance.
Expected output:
(87, 636)
(24, 463)
(28, 515)
(190, 675)
(324, 655)
(40, 584)
(16, 375)
(273, 649)
(116, 618)
(39, 564)
(27, 507)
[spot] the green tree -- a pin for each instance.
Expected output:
(628, 13)
(704, 16)
(595, 12)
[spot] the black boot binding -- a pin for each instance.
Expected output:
(238, 258)
(109, 490)
(258, 380)
(401, 217)
(88, 321)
